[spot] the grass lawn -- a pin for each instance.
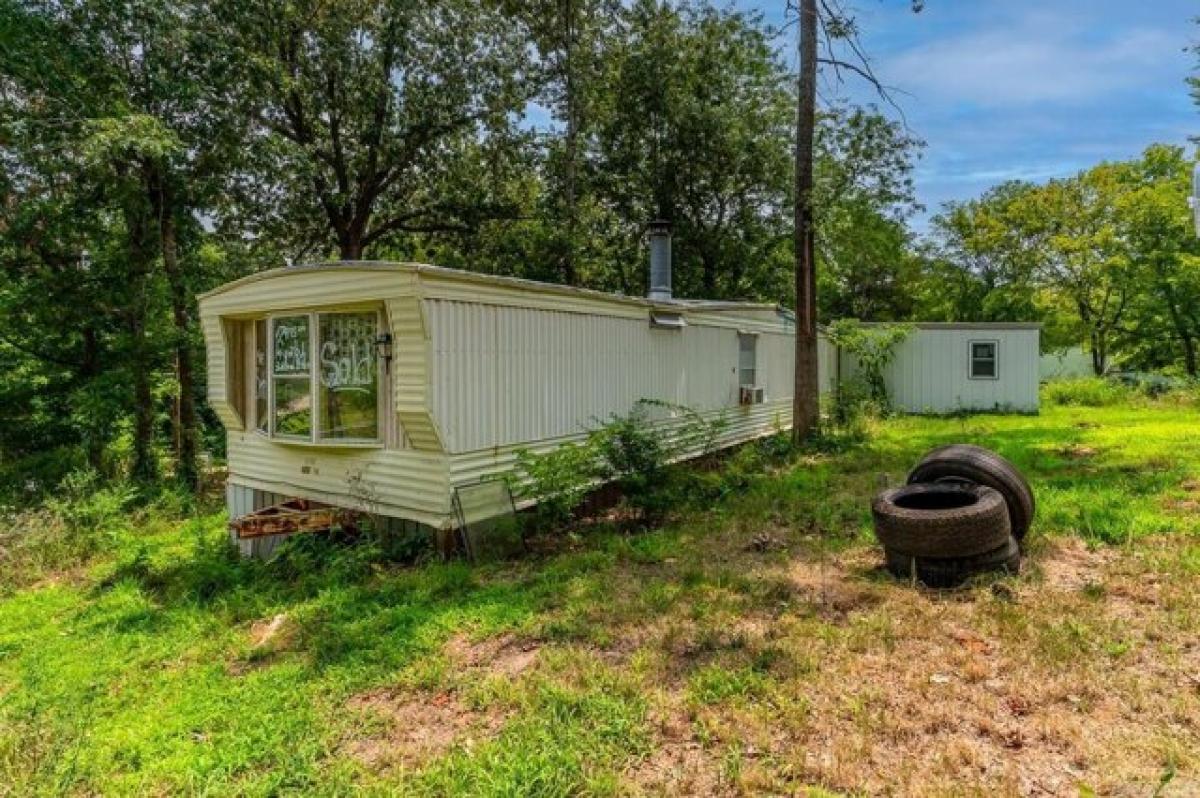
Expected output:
(682, 661)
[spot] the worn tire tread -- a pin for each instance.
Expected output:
(956, 532)
(961, 461)
(951, 572)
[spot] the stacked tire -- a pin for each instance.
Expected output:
(964, 511)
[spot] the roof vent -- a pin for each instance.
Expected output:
(667, 321)
(659, 233)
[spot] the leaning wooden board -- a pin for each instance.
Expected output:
(285, 518)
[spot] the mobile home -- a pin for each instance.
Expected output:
(389, 386)
(392, 387)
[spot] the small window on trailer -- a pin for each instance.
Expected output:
(984, 360)
(747, 358)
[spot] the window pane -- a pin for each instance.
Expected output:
(260, 375)
(984, 368)
(747, 358)
(291, 346)
(290, 368)
(293, 406)
(349, 377)
(983, 359)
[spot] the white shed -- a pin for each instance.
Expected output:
(387, 386)
(951, 367)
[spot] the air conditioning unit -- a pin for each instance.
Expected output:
(751, 395)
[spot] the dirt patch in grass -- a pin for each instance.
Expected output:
(269, 638)
(410, 729)
(677, 764)
(830, 588)
(1187, 504)
(1069, 565)
(505, 655)
(276, 632)
(1077, 451)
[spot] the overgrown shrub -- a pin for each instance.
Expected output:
(557, 480)
(872, 348)
(634, 450)
(83, 517)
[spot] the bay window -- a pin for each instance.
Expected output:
(317, 377)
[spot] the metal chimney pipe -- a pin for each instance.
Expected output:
(659, 233)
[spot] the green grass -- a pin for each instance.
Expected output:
(133, 671)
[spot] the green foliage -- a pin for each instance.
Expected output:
(84, 517)
(1086, 392)
(637, 451)
(872, 348)
(852, 408)
(558, 480)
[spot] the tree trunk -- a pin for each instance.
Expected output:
(89, 369)
(708, 264)
(805, 396)
(186, 431)
(350, 245)
(1182, 330)
(1099, 354)
(1189, 354)
(144, 467)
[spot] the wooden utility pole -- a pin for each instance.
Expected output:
(805, 397)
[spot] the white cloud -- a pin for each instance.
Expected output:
(1036, 59)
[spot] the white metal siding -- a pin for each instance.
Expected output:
(401, 482)
(505, 375)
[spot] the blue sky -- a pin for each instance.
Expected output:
(1002, 89)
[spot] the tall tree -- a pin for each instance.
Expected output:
(573, 38)
(363, 109)
(694, 129)
(155, 124)
(863, 195)
(996, 252)
(1165, 253)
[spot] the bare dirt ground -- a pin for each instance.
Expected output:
(803, 670)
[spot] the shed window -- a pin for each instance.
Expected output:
(747, 359)
(323, 378)
(984, 362)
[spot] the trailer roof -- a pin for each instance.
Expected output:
(961, 325)
(494, 279)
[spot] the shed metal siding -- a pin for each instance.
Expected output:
(930, 372)
(1069, 364)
